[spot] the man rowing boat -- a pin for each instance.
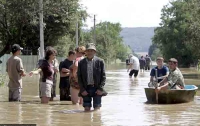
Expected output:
(175, 78)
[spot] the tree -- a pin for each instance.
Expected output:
(154, 52)
(152, 48)
(19, 22)
(109, 43)
(172, 34)
(193, 40)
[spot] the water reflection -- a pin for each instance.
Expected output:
(125, 105)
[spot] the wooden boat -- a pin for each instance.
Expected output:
(171, 96)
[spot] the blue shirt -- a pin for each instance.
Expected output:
(161, 72)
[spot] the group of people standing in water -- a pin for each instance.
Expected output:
(161, 76)
(82, 76)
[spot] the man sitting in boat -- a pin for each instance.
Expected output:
(162, 72)
(175, 78)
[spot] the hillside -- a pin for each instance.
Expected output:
(138, 38)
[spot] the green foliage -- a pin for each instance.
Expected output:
(65, 44)
(19, 22)
(152, 48)
(109, 43)
(154, 52)
(193, 40)
(3, 79)
(173, 33)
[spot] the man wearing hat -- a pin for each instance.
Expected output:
(175, 78)
(15, 70)
(91, 78)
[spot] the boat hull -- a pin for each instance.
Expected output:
(170, 96)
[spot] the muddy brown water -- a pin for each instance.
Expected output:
(124, 106)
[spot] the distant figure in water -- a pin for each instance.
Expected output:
(142, 63)
(148, 63)
(175, 78)
(133, 66)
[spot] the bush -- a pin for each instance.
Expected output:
(3, 79)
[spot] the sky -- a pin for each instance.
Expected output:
(129, 13)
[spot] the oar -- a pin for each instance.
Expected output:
(156, 85)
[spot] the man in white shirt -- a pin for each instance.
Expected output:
(134, 66)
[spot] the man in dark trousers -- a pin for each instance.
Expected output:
(64, 69)
(91, 78)
(148, 63)
(142, 63)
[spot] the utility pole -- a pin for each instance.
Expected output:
(94, 30)
(77, 33)
(41, 29)
(106, 25)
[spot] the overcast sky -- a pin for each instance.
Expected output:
(129, 13)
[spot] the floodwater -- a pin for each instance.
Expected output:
(124, 106)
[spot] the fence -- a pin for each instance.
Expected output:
(29, 62)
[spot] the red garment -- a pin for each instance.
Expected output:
(74, 80)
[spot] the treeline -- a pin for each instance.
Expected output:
(110, 45)
(179, 32)
(19, 23)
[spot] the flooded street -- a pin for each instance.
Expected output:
(124, 106)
